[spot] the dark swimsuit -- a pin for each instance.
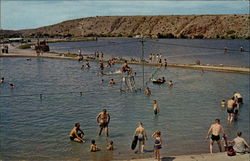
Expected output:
(157, 146)
(215, 138)
(104, 124)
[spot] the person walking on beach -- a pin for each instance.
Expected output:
(103, 119)
(156, 107)
(158, 144)
(215, 129)
(76, 134)
(142, 136)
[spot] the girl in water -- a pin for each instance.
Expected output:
(158, 143)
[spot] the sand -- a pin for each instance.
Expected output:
(202, 157)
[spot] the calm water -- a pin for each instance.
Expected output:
(184, 51)
(32, 129)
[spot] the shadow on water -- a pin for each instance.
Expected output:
(167, 158)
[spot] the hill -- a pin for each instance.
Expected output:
(169, 26)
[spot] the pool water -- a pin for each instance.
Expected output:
(38, 129)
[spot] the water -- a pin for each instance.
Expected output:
(34, 129)
(183, 51)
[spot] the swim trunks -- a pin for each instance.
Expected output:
(104, 124)
(215, 138)
(72, 138)
(230, 110)
(141, 137)
(155, 111)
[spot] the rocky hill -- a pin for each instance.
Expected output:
(180, 26)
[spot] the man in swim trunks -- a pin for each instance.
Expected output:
(156, 107)
(142, 136)
(230, 109)
(103, 119)
(216, 129)
(76, 134)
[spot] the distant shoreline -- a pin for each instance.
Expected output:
(16, 52)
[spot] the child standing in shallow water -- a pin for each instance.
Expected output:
(158, 143)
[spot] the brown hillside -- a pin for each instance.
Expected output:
(193, 26)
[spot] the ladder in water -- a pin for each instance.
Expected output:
(128, 84)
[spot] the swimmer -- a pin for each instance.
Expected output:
(102, 81)
(223, 103)
(215, 129)
(82, 67)
(2, 80)
(87, 64)
(156, 107)
(170, 83)
(12, 85)
(103, 119)
(142, 136)
(147, 92)
(93, 147)
(231, 104)
(76, 134)
(238, 98)
(110, 146)
(112, 81)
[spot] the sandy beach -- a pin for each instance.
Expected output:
(14, 51)
(202, 157)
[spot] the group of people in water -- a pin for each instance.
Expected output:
(11, 85)
(240, 145)
(233, 106)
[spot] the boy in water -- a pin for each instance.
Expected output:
(93, 146)
(110, 146)
(156, 107)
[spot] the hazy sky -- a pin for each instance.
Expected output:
(23, 14)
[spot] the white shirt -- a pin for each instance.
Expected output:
(240, 144)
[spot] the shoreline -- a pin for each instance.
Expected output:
(29, 53)
(201, 157)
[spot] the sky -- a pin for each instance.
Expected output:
(26, 14)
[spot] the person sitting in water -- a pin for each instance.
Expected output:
(110, 146)
(147, 92)
(93, 147)
(170, 83)
(2, 80)
(76, 134)
(82, 67)
(103, 119)
(240, 145)
(12, 85)
(223, 103)
(112, 81)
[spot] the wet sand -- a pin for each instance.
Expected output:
(15, 52)
(202, 157)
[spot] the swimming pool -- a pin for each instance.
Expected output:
(35, 129)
